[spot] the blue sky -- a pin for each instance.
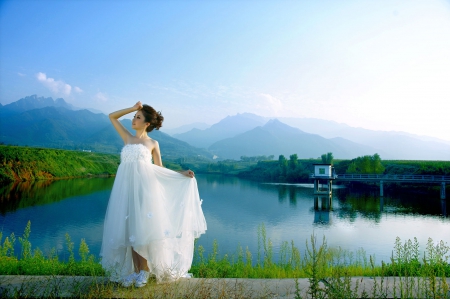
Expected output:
(382, 65)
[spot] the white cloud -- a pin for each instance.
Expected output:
(77, 89)
(101, 97)
(270, 104)
(20, 74)
(56, 86)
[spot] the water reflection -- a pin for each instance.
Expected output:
(24, 194)
(322, 209)
(369, 204)
(444, 207)
(354, 204)
(234, 208)
(282, 193)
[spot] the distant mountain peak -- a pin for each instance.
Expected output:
(35, 102)
(273, 121)
(228, 127)
(275, 124)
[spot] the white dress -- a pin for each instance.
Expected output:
(155, 211)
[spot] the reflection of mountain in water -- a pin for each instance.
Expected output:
(24, 194)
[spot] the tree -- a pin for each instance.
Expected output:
(366, 164)
(327, 158)
(282, 163)
(377, 165)
(293, 161)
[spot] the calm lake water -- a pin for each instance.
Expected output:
(234, 209)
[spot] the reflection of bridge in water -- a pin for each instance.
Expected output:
(380, 179)
(397, 178)
(323, 192)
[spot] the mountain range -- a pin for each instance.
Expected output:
(275, 138)
(230, 126)
(185, 128)
(342, 139)
(39, 121)
(35, 102)
(57, 126)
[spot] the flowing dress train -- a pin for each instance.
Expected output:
(155, 211)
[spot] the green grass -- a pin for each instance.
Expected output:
(33, 262)
(328, 270)
(318, 261)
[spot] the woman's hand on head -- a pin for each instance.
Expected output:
(188, 173)
(138, 105)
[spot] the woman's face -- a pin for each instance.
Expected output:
(138, 121)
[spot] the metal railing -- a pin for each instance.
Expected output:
(394, 177)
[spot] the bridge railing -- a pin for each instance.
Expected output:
(394, 177)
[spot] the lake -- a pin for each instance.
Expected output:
(234, 209)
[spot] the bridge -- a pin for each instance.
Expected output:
(410, 178)
(380, 178)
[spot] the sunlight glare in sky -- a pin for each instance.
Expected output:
(381, 65)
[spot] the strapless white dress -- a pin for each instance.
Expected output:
(155, 211)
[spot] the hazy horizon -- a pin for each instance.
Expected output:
(380, 65)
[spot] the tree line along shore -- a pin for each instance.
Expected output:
(28, 164)
(20, 163)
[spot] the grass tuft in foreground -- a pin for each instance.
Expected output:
(35, 262)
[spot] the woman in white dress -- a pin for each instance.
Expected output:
(154, 214)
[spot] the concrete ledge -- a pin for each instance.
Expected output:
(98, 287)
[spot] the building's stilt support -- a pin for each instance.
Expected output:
(443, 190)
(444, 207)
(381, 189)
(319, 190)
(324, 205)
(325, 201)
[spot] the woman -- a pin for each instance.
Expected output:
(154, 214)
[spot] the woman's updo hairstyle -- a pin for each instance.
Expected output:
(151, 116)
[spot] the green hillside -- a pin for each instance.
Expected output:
(57, 127)
(28, 164)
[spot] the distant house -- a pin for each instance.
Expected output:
(324, 171)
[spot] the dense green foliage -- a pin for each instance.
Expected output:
(256, 158)
(28, 164)
(327, 158)
(283, 170)
(366, 164)
(417, 167)
(292, 170)
(203, 165)
(298, 170)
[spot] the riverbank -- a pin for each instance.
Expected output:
(19, 163)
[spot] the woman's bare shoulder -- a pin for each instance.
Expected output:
(151, 143)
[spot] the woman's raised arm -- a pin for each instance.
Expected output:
(114, 118)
